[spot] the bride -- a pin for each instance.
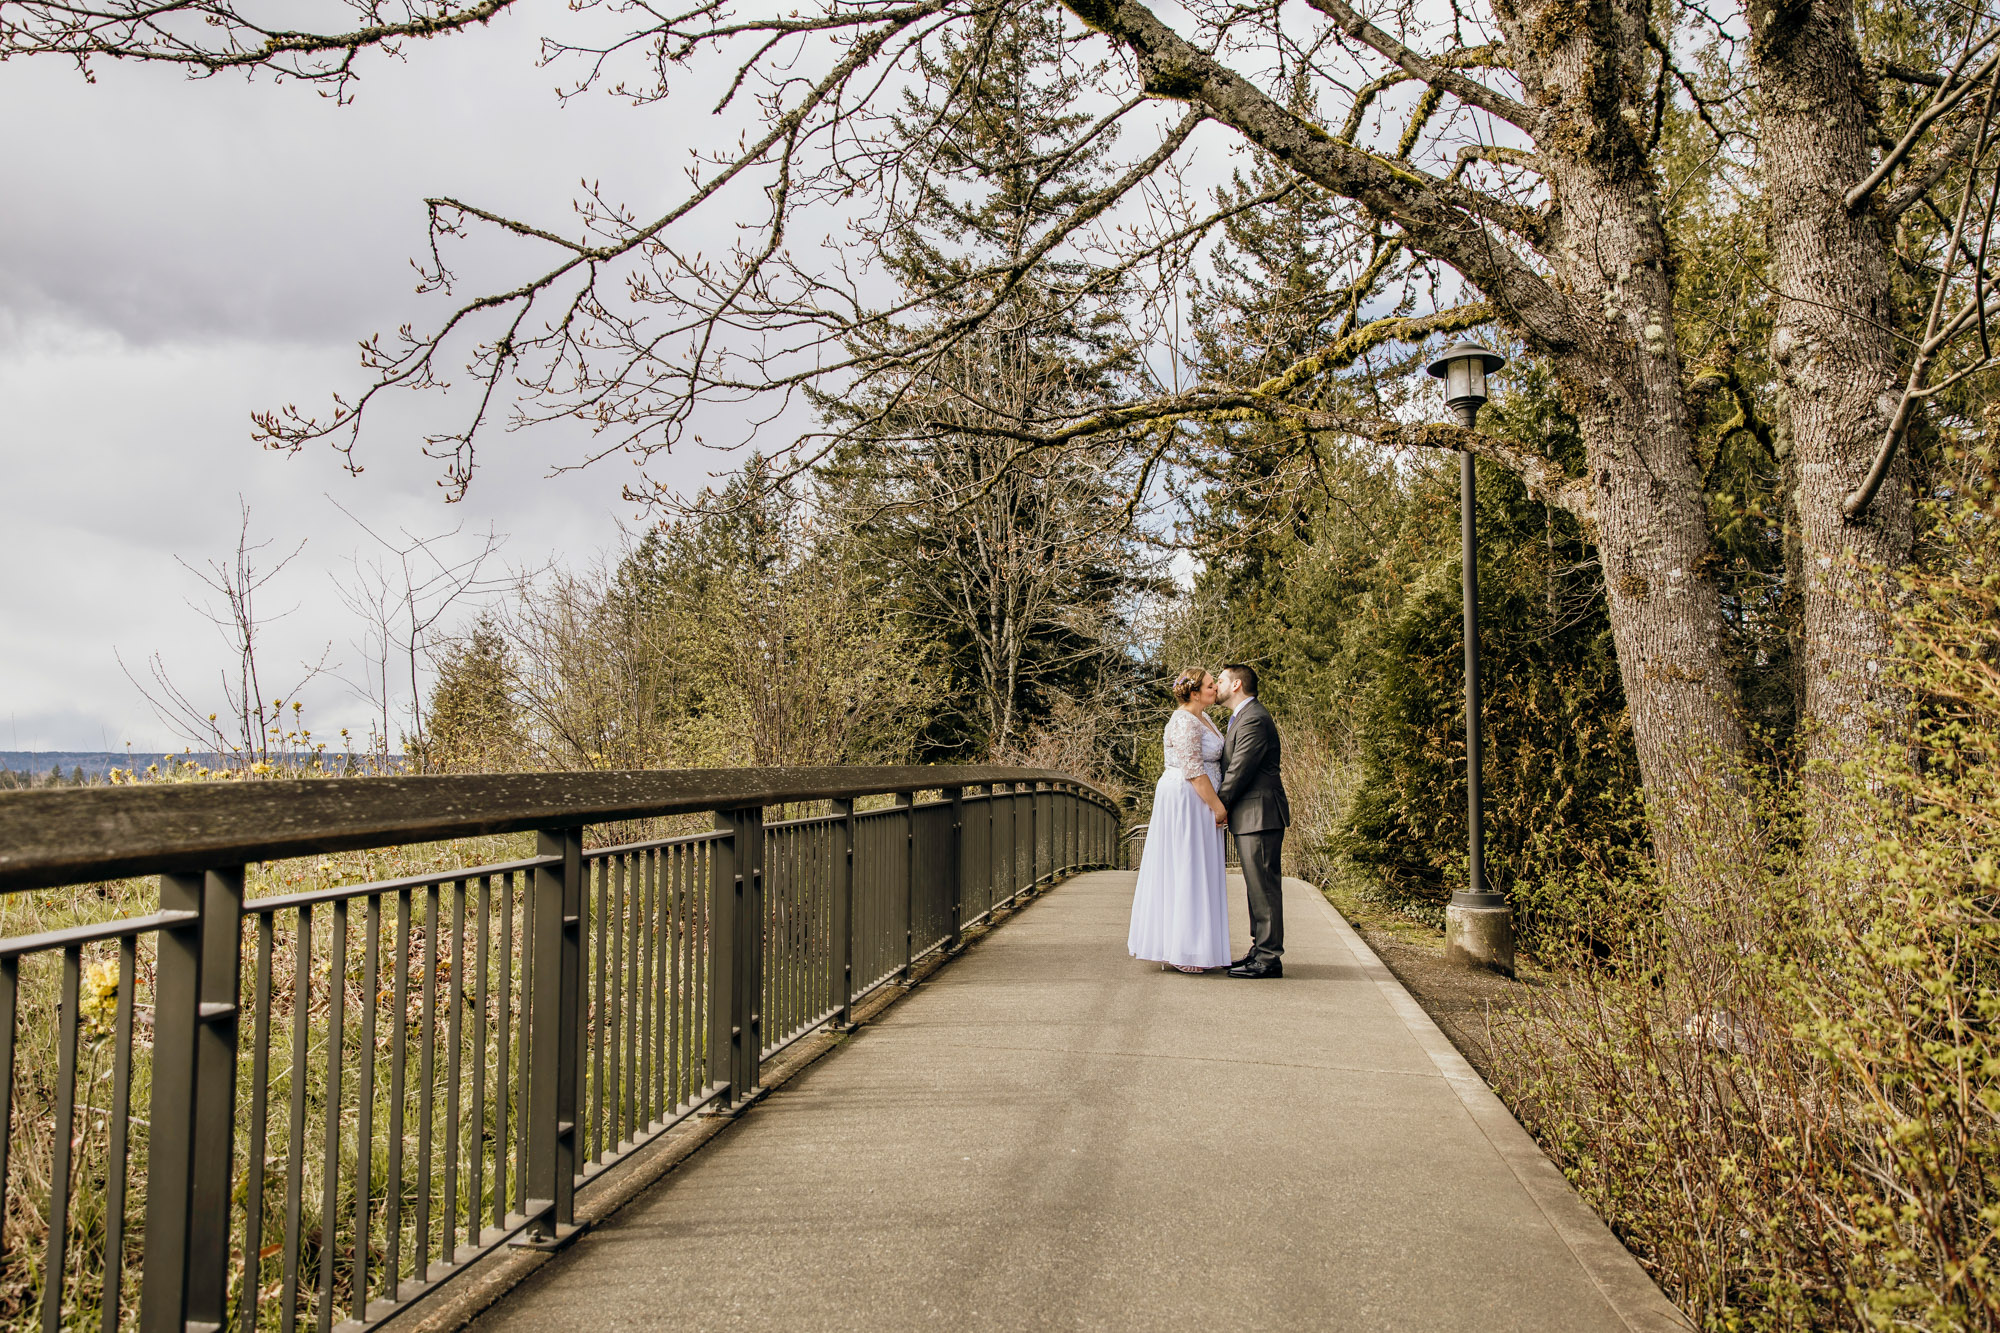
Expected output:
(1180, 916)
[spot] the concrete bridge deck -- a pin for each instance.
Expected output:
(1048, 1134)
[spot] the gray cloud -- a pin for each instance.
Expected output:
(175, 254)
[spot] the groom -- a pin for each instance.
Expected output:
(1254, 794)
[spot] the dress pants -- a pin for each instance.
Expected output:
(1260, 853)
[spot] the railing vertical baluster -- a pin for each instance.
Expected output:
(954, 868)
(55, 1263)
(663, 871)
(364, 1125)
(793, 946)
(475, 1198)
(631, 912)
(336, 1040)
(645, 934)
(776, 917)
(698, 879)
(454, 969)
(841, 971)
(503, 1078)
(594, 962)
(10, 989)
(750, 950)
(119, 1114)
(672, 976)
(558, 991)
(701, 1061)
(579, 1032)
(673, 875)
(773, 919)
(426, 1086)
(191, 1148)
(392, 1261)
(295, 1129)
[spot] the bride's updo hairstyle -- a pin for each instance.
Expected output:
(1188, 684)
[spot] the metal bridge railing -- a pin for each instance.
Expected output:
(310, 1110)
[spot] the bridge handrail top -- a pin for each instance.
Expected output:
(54, 837)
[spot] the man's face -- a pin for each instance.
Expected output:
(1226, 688)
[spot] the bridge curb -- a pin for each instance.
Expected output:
(1625, 1285)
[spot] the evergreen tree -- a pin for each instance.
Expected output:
(1338, 571)
(473, 722)
(1017, 566)
(764, 643)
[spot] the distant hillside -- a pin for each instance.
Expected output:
(18, 767)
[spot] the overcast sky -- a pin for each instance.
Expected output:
(176, 254)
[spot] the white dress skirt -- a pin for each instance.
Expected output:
(1180, 911)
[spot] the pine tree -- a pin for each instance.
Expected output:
(1016, 566)
(764, 643)
(473, 724)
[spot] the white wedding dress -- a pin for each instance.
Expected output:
(1180, 913)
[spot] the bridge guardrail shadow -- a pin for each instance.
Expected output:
(420, 1071)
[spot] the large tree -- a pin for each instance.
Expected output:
(1015, 567)
(1512, 156)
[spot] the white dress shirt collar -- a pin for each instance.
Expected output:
(1241, 704)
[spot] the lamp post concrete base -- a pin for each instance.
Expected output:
(1480, 937)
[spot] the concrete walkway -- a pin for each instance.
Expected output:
(1051, 1135)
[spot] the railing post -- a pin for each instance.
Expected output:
(907, 802)
(557, 1015)
(195, 992)
(739, 995)
(721, 998)
(842, 970)
(1077, 829)
(954, 866)
(1013, 842)
(1023, 803)
(992, 847)
(1035, 825)
(1065, 823)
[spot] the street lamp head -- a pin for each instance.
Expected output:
(1464, 367)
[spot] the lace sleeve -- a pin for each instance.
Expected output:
(1183, 745)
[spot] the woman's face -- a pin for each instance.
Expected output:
(1205, 696)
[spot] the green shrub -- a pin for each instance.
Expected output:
(1787, 1099)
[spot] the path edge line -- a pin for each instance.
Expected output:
(1624, 1283)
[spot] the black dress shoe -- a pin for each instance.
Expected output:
(1244, 961)
(1258, 971)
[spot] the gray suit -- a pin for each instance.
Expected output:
(1253, 792)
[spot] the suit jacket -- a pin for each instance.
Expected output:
(1251, 788)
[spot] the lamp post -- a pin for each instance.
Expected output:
(1479, 925)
